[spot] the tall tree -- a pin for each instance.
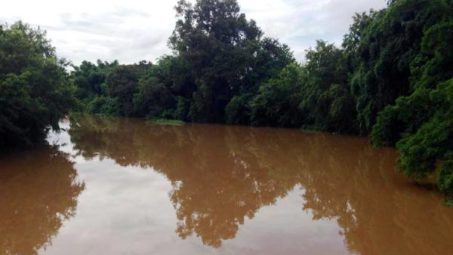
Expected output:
(90, 78)
(35, 92)
(122, 84)
(327, 102)
(420, 124)
(388, 46)
(276, 103)
(223, 50)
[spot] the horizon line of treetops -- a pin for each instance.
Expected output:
(392, 79)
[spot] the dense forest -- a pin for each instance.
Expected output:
(391, 79)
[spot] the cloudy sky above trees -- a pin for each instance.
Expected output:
(134, 30)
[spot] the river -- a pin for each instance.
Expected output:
(127, 186)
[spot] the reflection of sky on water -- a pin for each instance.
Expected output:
(126, 210)
(128, 187)
(130, 205)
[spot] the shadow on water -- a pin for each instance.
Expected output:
(38, 193)
(222, 176)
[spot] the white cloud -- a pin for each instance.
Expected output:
(134, 30)
(299, 23)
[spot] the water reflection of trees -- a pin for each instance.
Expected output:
(379, 211)
(217, 182)
(223, 175)
(38, 192)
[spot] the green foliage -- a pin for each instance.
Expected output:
(327, 102)
(104, 106)
(226, 55)
(158, 89)
(277, 99)
(90, 78)
(446, 176)
(404, 68)
(389, 44)
(35, 92)
(238, 110)
(433, 64)
(122, 84)
(167, 122)
(430, 144)
(421, 125)
(108, 88)
(314, 96)
(406, 116)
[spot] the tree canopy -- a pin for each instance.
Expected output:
(35, 92)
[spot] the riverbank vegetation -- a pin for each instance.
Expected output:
(392, 79)
(35, 89)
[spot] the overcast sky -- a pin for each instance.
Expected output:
(134, 30)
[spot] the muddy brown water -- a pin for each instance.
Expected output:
(126, 186)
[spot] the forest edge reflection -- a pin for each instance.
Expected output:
(38, 193)
(223, 175)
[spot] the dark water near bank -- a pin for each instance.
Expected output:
(118, 186)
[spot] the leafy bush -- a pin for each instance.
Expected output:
(104, 106)
(35, 92)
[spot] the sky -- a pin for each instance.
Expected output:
(134, 30)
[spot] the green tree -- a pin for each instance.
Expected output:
(165, 91)
(388, 46)
(352, 40)
(435, 59)
(108, 88)
(276, 103)
(35, 92)
(122, 84)
(90, 79)
(226, 54)
(271, 58)
(326, 100)
(420, 124)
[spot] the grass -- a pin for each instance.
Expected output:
(449, 201)
(167, 122)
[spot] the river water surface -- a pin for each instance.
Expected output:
(126, 186)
